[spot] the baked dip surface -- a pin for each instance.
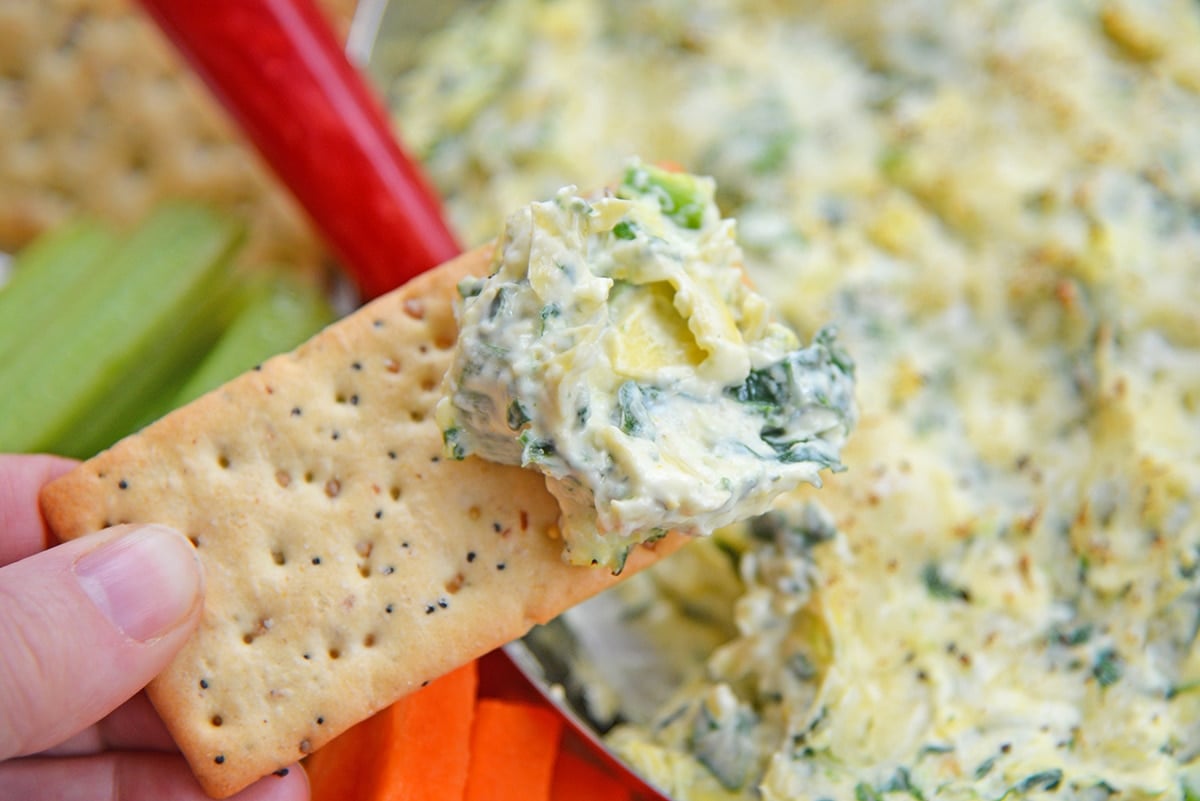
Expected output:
(997, 205)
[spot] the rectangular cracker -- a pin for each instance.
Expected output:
(348, 562)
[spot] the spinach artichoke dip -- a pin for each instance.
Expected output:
(997, 203)
(616, 348)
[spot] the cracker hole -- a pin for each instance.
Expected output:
(364, 570)
(335, 653)
(339, 398)
(278, 558)
(223, 462)
(264, 625)
(333, 487)
(355, 365)
(391, 365)
(455, 584)
(282, 478)
(415, 308)
(364, 548)
(474, 512)
(428, 384)
(217, 720)
(417, 416)
(308, 477)
(395, 492)
(369, 641)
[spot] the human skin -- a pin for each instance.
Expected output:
(84, 626)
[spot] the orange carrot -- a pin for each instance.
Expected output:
(513, 748)
(414, 750)
(428, 750)
(346, 765)
(578, 779)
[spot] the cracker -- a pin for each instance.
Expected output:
(103, 118)
(348, 561)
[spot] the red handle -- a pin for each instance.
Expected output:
(278, 69)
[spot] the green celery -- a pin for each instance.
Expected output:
(126, 330)
(281, 311)
(42, 274)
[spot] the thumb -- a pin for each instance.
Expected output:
(85, 625)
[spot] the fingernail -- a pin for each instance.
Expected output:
(145, 582)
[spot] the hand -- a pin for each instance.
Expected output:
(83, 627)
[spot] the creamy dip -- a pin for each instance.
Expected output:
(617, 348)
(998, 205)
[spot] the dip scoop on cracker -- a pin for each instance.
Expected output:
(349, 559)
(617, 348)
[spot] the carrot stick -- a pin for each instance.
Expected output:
(414, 750)
(513, 748)
(577, 779)
(348, 764)
(428, 751)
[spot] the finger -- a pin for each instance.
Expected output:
(22, 531)
(129, 776)
(86, 625)
(133, 726)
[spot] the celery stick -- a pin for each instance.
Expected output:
(120, 317)
(145, 391)
(281, 312)
(42, 272)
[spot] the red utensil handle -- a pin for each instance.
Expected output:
(277, 68)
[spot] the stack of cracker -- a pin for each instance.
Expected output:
(102, 117)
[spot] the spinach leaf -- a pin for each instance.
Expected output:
(633, 414)
(517, 416)
(940, 588)
(1107, 668)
